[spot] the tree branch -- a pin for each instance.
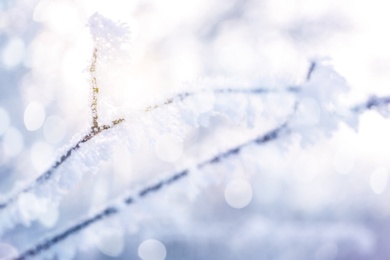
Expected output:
(114, 209)
(97, 129)
(310, 71)
(372, 102)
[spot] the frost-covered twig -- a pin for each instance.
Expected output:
(95, 91)
(97, 129)
(311, 69)
(372, 102)
(219, 91)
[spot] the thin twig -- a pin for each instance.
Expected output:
(244, 91)
(372, 102)
(310, 71)
(48, 174)
(95, 92)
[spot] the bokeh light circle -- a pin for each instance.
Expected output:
(238, 193)
(34, 116)
(152, 249)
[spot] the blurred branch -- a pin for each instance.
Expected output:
(114, 209)
(310, 71)
(219, 91)
(371, 103)
(48, 174)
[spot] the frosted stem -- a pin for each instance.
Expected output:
(49, 173)
(372, 102)
(310, 71)
(95, 91)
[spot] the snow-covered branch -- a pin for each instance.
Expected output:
(95, 131)
(115, 208)
(119, 204)
(216, 133)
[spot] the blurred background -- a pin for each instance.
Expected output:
(325, 201)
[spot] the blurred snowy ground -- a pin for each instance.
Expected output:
(327, 200)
